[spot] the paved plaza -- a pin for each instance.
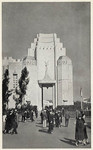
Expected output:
(32, 135)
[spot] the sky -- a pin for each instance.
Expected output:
(21, 22)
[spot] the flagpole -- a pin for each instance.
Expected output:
(81, 104)
(81, 94)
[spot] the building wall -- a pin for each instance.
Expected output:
(59, 85)
(45, 54)
(65, 81)
(14, 68)
(6, 61)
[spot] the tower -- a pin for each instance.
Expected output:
(65, 81)
(58, 77)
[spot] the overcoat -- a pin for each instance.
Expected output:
(79, 131)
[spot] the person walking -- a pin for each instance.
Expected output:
(60, 118)
(77, 113)
(9, 122)
(63, 112)
(31, 115)
(23, 114)
(41, 114)
(36, 112)
(44, 118)
(47, 112)
(51, 123)
(67, 117)
(79, 130)
(85, 130)
(15, 123)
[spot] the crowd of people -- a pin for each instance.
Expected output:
(12, 116)
(53, 118)
(10, 121)
(28, 112)
(50, 118)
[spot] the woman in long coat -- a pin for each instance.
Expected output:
(85, 130)
(44, 118)
(79, 131)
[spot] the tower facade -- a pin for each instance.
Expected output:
(65, 81)
(46, 50)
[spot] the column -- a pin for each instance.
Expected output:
(53, 97)
(42, 96)
(55, 73)
(56, 88)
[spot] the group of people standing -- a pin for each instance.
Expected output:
(10, 121)
(53, 118)
(49, 118)
(12, 117)
(28, 113)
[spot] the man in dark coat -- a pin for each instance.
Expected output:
(51, 121)
(47, 112)
(32, 115)
(36, 113)
(41, 114)
(15, 123)
(57, 119)
(23, 114)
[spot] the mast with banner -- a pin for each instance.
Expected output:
(81, 95)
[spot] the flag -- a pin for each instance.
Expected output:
(86, 100)
(81, 94)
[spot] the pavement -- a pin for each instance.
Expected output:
(33, 135)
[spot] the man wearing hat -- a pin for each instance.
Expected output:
(51, 121)
(15, 122)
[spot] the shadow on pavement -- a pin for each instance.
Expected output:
(38, 123)
(68, 141)
(43, 130)
(63, 126)
(38, 126)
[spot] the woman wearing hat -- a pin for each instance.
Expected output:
(85, 129)
(79, 131)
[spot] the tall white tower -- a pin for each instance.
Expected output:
(65, 81)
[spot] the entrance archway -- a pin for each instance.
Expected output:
(48, 84)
